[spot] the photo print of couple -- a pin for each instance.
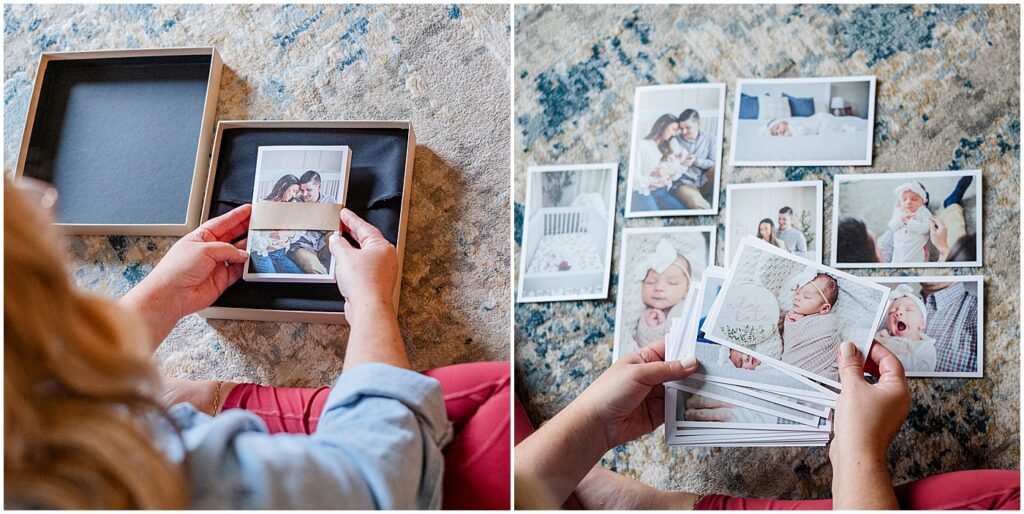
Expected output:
(676, 150)
(295, 247)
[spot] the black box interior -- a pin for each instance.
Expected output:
(119, 137)
(375, 190)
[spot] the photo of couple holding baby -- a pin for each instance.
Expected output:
(676, 150)
(292, 251)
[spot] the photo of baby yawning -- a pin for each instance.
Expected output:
(792, 312)
(934, 324)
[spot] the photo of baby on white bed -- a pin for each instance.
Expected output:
(291, 249)
(934, 325)
(825, 121)
(895, 220)
(567, 232)
(657, 267)
(785, 214)
(676, 150)
(792, 312)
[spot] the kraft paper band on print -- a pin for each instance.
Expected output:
(815, 344)
(295, 216)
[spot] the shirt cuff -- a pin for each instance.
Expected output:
(419, 393)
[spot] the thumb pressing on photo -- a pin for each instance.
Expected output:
(367, 274)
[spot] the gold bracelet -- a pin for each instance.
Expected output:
(216, 398)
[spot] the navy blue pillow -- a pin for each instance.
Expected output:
(800, 106)
(749, 107)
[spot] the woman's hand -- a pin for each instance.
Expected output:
(625, 402)
(195, 271)
(366, 278)
(628, 400)
(367, 274)
(867, 418)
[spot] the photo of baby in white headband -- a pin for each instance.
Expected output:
(904, 329)
(657, 268)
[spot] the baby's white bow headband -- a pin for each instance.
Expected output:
(664, 256)
(905, 291)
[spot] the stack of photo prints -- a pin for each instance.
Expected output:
(767, 326)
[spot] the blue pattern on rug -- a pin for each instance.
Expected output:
(944, 101)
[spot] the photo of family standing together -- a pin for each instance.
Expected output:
(676, 150)
(290, 174)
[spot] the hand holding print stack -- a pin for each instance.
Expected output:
(766, 329)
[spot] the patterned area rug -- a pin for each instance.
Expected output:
(948, 98)
(445, 68)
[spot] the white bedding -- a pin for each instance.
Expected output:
(577, 250)
(751, 146)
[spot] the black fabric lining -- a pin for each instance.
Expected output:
(375, 189)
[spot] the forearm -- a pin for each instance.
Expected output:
(560, 453)
(155, 306)
(862, 482)
(374, 335)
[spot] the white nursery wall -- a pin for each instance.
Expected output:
(750, 206)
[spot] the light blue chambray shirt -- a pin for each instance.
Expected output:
(377, 446)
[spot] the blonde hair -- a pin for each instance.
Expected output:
(81, 395)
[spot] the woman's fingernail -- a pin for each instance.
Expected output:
(847, 349)
(244, 253)
(688, 362)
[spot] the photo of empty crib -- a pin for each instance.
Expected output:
(566, 251)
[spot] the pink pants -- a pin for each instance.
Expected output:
(477, 398)
(983, 489)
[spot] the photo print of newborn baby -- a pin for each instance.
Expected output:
(903, 220)
(793, 313)
(803, 122)
(725, 365)
(657, 267)
(934, 324)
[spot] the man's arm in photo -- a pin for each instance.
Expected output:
(704, 153)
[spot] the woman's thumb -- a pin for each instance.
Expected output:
(851, 364)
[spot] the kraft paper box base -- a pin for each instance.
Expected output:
(378, 190)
